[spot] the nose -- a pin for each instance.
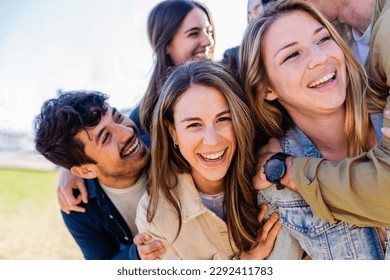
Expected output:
(122, 132)
(317, 57)
(211, 136)
(207, 39)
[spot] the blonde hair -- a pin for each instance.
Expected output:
(272, 118)
(167, 162)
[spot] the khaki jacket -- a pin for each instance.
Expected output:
(203, 235)
(355, 190)
(378, 59)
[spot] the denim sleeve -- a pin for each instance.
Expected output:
(94, 242)
(134, 116)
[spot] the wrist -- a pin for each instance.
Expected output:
(287, 179)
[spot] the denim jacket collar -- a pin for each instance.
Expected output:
(295, 141)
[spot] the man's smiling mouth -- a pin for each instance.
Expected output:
(130, 148)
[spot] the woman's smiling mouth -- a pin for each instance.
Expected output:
(327, 78)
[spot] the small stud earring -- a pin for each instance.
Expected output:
(175, 145)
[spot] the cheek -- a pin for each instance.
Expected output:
(230, 135)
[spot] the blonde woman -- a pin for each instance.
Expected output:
(310, 93)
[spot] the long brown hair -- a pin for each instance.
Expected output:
(271, 116)
(167, 162)
(163, 22)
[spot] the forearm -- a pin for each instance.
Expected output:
(355, 190)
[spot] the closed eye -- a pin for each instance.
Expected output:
(106, 137)
(324, 39)
(193, 34)
(294, 54)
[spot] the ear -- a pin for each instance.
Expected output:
(270, 94)
(86, 171)
(172, 132)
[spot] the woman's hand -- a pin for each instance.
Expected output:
(386, 130)
(272, 147)
(66, 184)
(267, 236)
(148, 251)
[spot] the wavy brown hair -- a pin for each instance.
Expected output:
(163, 22)
(167, 162)
(271, 117)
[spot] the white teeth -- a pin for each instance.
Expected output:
(132, 148)
(213, 156)
(201, 55)
(322, 80)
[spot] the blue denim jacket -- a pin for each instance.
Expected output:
(319, 238)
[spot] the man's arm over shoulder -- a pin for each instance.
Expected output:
(355, 190)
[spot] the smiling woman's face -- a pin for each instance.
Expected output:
(305, 66)
(204, 132)
(193, 40)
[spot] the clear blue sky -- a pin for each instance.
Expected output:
(47, 45)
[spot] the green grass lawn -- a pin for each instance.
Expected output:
(31, 225)
(19, 187)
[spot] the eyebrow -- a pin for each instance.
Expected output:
(97, 138)
(294, 43)
(198, 119)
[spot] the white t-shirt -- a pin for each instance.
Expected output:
(126, 200)
(361, 44)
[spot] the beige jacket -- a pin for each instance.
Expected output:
(378, 59)
(203, 235)
(356, 190)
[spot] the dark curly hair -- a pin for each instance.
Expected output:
(61, 119)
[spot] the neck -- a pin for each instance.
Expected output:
(120, 183)
(332, 145)
(358, 14)
(208, 187)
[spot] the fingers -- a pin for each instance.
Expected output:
(68, 202)
(151, 251)
(386, 130)
(387, 114)
(67, 183)
(270, 228)
(83, 192)
(263, 211)
(141, 238)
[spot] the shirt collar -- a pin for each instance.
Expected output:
(191, 202)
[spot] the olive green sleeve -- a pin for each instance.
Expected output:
(356, 190)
